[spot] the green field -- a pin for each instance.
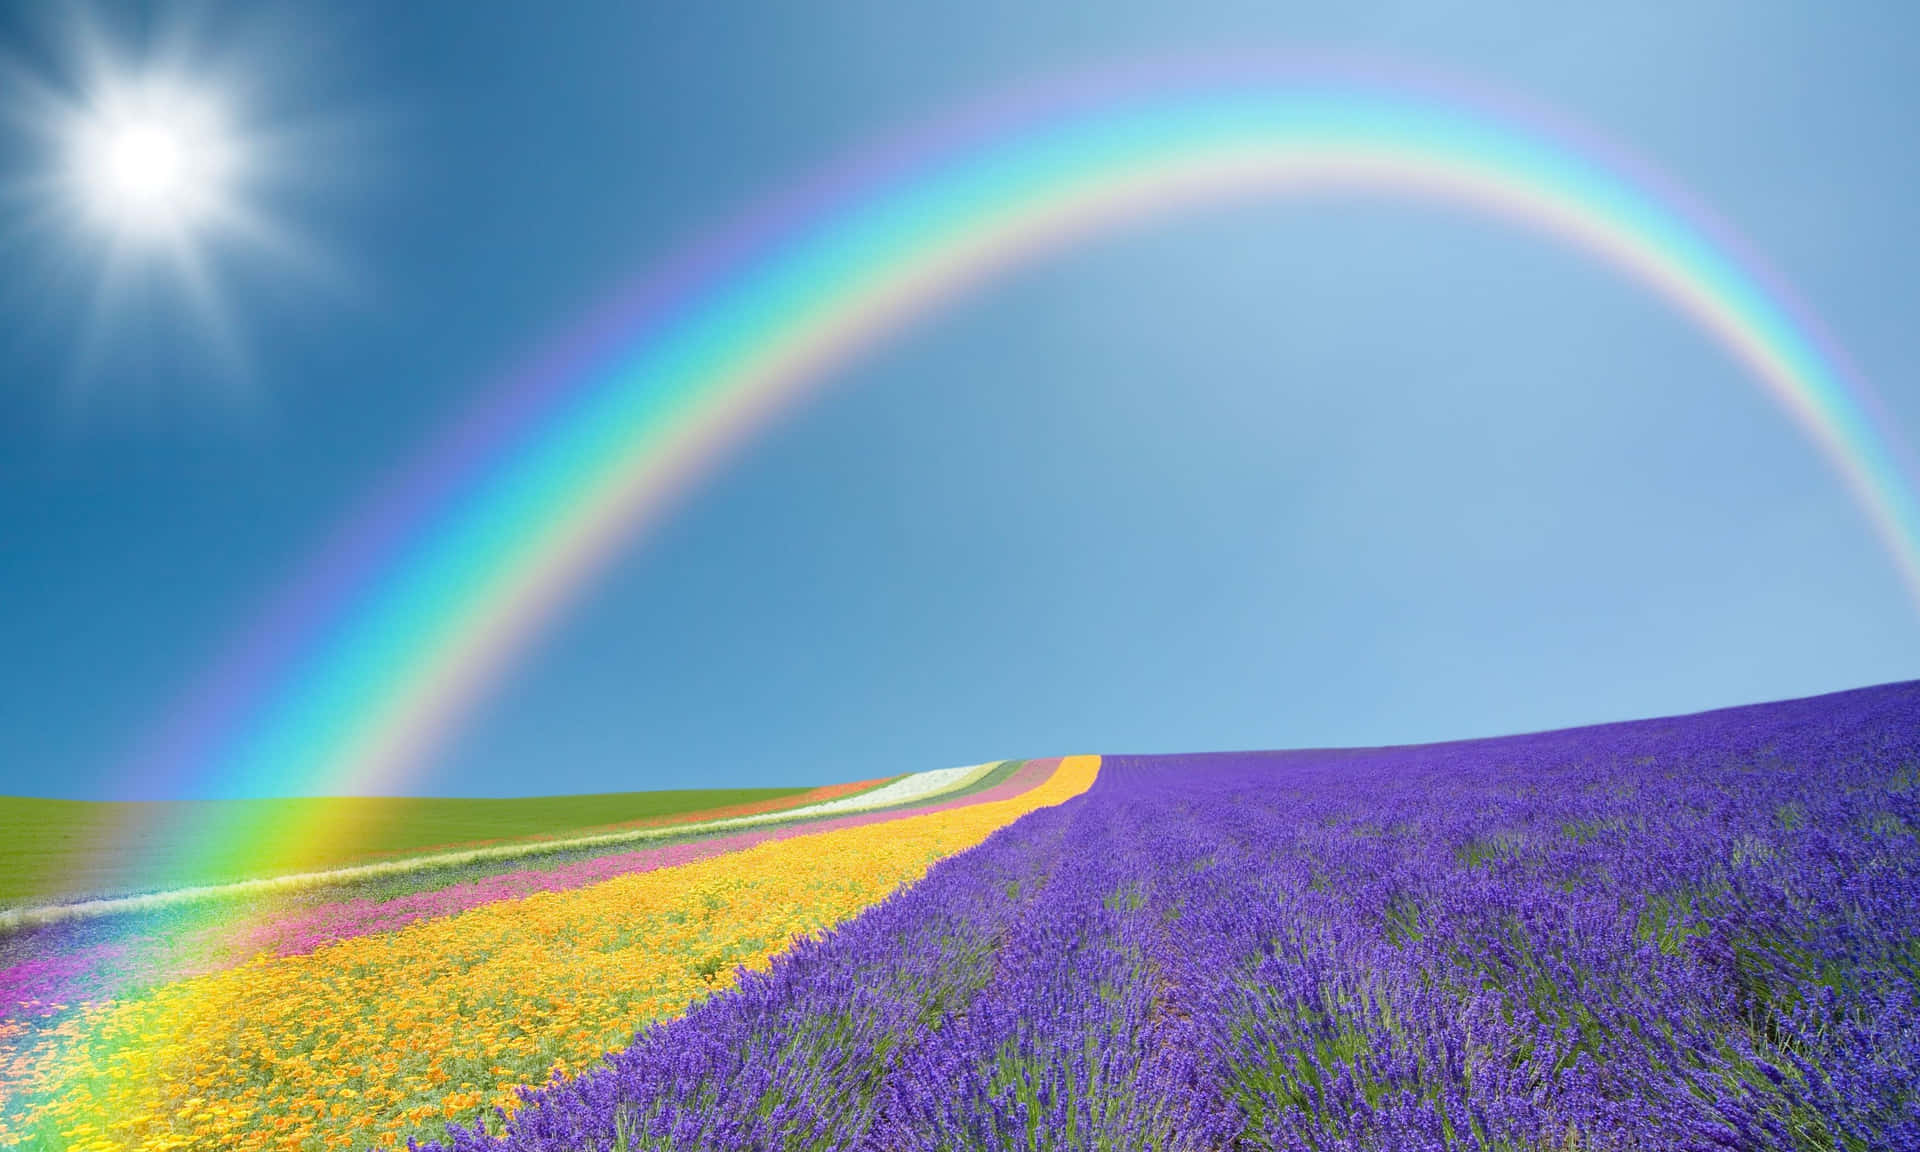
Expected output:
(66, 849)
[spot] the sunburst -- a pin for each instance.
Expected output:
(153, 162)
(148, 176)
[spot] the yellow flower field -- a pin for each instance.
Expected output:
(379, 1037)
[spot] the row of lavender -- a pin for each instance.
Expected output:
(1696, 933)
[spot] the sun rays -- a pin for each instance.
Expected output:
(149, 176)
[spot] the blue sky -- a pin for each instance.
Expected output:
(1275, 475)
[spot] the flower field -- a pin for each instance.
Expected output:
(386, 1032)
(1701, 933)
(61, 967)
(1696, 933)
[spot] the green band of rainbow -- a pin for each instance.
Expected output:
(466, 594)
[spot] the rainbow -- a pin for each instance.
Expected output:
(395, 631)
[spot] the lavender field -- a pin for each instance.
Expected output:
(1697, 933)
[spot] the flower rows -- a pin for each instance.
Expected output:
(327, 923)
(906, 790)
(55, 977)
(60, 966)
(416, 863)
(1696, 934)
(380, 1036)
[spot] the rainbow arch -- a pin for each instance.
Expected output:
(358, 693)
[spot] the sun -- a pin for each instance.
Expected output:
(154, 162)
(150, 180)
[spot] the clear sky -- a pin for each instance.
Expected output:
(1276, 475)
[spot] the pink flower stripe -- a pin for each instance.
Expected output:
(45, 980)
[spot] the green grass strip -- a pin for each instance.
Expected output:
(75, 849)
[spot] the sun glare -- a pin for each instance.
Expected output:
(153, 170)
(156, 162)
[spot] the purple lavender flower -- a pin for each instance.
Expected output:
(1694, 933)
